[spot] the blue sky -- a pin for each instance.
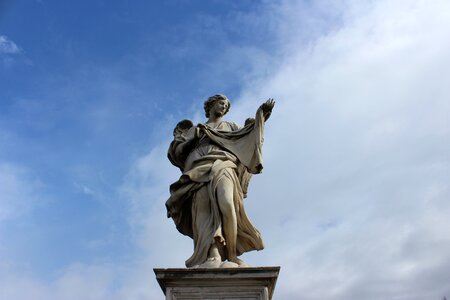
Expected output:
(354, 194)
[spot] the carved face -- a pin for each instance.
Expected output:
(220, 107)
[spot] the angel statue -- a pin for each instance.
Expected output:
(217, 160)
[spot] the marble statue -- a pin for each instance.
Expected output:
(217, 160)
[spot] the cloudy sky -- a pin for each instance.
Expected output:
(354, 201)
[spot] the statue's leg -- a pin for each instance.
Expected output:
(224, 194)
(202, 222)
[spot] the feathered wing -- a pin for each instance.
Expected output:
(175, 153)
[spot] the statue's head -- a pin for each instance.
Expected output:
(212, 100)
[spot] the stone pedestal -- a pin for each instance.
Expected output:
(220, 283)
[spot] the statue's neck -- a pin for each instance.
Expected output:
(214, 120)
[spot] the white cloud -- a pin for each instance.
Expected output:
(146, 188)
(81, 281)
(359, 139)
(18, 190)
(352, 203)
(7, 46)
(20, 288)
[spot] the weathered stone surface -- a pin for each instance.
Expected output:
(221, 283)
(216, 159)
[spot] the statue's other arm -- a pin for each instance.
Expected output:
(185, 145)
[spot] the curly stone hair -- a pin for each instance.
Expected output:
(211, 100)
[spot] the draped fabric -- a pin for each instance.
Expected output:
(223, 152)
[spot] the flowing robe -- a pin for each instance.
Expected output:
(225, 151)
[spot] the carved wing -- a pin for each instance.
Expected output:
(175, 154)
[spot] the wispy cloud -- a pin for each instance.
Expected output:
(146, 189)
(356, 136)
(7, 46)
(19, 191)
(356, 163)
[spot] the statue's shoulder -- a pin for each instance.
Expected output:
(233, 126)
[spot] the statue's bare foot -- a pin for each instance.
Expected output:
(240, 262)
(214, 254)
(211, 262)
(214, 258)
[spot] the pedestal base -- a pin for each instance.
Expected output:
(221, 283)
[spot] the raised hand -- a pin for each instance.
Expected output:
(267, 108)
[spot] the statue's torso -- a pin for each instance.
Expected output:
(205, 147)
